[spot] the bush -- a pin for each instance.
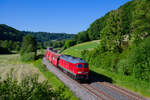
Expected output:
(137, 61)
(105, 60)
(69, 43)
(28, 57)
(28, 89)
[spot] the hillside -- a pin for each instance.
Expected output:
(9, 33)
(77, 49)
(121, 27)
(123, 53)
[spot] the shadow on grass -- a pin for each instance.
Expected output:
(5, 52)
(96, 77)
(39, 56)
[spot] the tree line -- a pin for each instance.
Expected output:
(10, 39)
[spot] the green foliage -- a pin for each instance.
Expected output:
(10, 45)
(69, 43)
(28, 57)
(9, 33)
(28, 89)
(45, 36)
(140, 24)
(29, 48)
(82, 37)
(137, 61)
(95, 28)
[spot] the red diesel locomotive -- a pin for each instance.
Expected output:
(75, 67)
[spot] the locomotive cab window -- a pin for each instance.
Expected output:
(85, 66)
(79, 65)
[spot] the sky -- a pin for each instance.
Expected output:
(69, 16)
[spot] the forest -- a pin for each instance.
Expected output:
(11, 38)
(124, 40)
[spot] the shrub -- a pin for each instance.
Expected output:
(137, 61)
(69, 43)
(28, 57)
(29, 48)
(28, 89)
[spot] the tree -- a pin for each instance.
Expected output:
(29, 48)
(141, 21)
(83, 37)
(69, 43)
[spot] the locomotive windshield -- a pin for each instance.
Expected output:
(80, 66)
(85, 66)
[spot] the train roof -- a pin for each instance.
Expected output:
(72, 59)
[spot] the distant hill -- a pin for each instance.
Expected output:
(11, 38)
(9, 33)
(46, 36)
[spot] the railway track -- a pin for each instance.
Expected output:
(99, 93)
(125, 92)
(103, 96)
(92, 90)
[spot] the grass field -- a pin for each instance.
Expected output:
(20, 69)
(140, 87)
(76, 50)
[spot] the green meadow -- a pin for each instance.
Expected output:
(76, 50)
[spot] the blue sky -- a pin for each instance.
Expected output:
(70, 16)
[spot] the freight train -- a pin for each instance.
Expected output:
(76, 68)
